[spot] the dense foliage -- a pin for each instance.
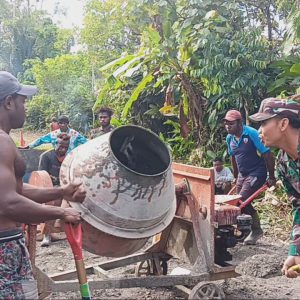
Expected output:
(26, 33)
(196, 60)
(65, 87)
(174, 66)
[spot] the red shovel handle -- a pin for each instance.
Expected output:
(253, 196)
(74, 236)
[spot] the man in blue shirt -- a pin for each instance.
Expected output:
(250, 161)
(76, 138)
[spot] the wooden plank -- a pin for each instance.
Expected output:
(219, 269)
(191, 175)
(224, 275)
(108, 265)
(149, 281)
(71, 274)
(125, 261)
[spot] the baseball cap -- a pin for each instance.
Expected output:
(233, 115)
(272, 107)
(10, 85)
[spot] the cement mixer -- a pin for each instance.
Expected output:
(130, 191)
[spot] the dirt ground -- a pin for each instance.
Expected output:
(28, 136)
(258, 265)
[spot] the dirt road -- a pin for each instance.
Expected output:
(259, 266)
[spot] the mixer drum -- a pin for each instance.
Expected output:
(130, 191)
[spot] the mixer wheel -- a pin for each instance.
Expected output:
(206, 290)
(143, 268)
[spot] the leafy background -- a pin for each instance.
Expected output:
(172, 66)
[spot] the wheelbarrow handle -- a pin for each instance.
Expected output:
(253, 196)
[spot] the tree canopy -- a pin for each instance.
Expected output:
(28, 33)
(174, 66)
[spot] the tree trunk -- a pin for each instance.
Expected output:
(269, 22)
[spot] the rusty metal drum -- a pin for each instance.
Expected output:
(130, 191)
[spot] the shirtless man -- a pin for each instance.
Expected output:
(21, 203)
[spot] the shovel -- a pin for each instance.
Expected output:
(253, 196)
(74, 236)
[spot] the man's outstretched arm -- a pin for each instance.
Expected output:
(45, 139)
(71, 192)
(14, 206)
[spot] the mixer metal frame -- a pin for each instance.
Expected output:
(190, 237)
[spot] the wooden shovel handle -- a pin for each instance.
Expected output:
(74, 236)
(253, 196)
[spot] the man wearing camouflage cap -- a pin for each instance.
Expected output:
(280, 128)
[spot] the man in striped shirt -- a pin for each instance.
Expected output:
(76, 138)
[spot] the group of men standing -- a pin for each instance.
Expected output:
(21, 203)
(62, 127)
(253, 163)
(64, 139)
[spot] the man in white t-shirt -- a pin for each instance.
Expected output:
(223, 177)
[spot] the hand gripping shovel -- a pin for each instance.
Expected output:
(74, 236)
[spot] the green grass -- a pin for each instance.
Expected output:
(275, 213)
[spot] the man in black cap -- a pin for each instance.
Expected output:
(22, 203)
(280, 128)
